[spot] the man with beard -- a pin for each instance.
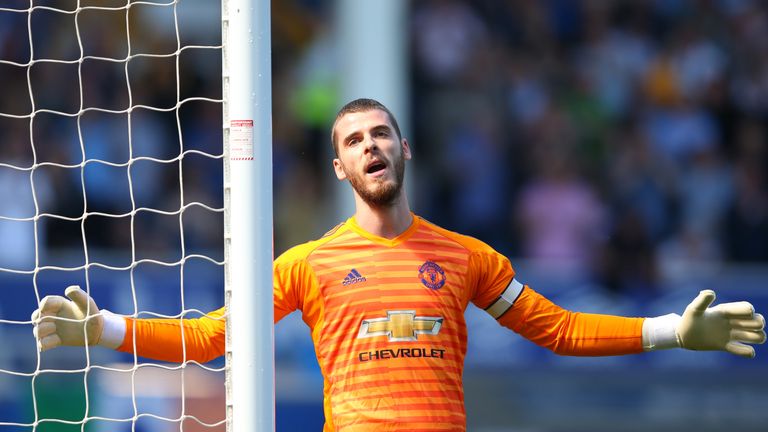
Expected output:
(384, 295)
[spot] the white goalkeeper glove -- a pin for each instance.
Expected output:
(725, 327)
(68, 321)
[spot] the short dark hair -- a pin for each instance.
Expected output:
(362, 105)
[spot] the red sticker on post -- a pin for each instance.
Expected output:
(241, 140)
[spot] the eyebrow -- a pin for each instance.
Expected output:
(348, 137)
(385, 127)
(374, 129)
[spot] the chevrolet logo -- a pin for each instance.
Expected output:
(400, 326)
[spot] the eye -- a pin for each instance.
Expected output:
(382, 133)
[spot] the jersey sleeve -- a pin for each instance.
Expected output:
(489, 275)
(528, 313)
(571, 333)
(176, 340)
(203, 339)
(294, 281)
(287, 278)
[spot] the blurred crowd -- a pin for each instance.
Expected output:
(623, 141)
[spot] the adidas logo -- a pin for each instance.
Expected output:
(353, 277)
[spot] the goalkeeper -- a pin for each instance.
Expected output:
(384, 295)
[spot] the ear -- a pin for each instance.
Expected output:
(339, 169)
(406, 149)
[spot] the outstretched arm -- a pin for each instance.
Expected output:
(727, 327)
(161, 339)
(75, 319)
(539, 320)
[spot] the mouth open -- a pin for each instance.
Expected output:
(376, 168)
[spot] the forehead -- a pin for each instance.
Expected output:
(360, 121)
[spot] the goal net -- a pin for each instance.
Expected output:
(112, 176)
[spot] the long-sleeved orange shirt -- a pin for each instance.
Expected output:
(387, 321)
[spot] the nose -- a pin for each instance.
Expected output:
(370, 143)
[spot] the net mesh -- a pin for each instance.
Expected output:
(110, 178)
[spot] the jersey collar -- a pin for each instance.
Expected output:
(405, 235)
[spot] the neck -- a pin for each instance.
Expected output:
(387, 222)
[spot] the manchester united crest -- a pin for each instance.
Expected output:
(431, 275)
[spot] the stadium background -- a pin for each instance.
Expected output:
(618, 149)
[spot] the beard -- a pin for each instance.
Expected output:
(381, 193)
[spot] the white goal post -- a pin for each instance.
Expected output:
(248, 221)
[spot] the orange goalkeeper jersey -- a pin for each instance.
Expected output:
(387, 321)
